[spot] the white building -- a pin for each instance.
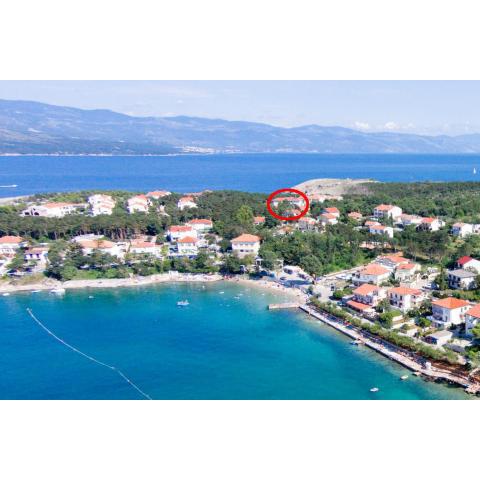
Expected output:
(328, 219)
(51, 209)
(468, 263)
(372, 273)
(36, 254)
(405, 220)
(449, 311)
(176, 232)
(186, 202)
(246, 244)
(138, 204)
(430, 224)
(461, 229)
(392, 262)
(381, 230)
(439, 338)
(407, 272)
(462, 279)
(332, 211)
(201, 225)
(356, 216)
(158, 194)
(387, 211)
(143, 247)
(472, 318)
(101, 204)
(307, 224)
(368, 294)
(292, 201)
(9, 245)
(187, 246)
(405, 298)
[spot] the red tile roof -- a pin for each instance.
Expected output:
(11, 239)
(187, 240)
(246, 238)
(358, 306)
(366, 289)
(450, 303)
(464, 260)
(405, 291)
(374, 269)
(180, 228)
(474, 311)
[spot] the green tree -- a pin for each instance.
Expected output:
(244, 216)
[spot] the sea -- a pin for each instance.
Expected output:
(23, 175)
(225, 344)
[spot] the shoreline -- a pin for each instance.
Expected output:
(50, 284)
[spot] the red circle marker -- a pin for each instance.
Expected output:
(291, 190)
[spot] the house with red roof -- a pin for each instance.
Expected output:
(139, 246)
(356, 216)
(405, 298)
(187, 246)
(138, 204)
(51, 209)
(246, 244)
(407, 272)
(468, 263)
(201, 225)
(472, 318)
(9, 244)
(449, 311)
(332, 211)
(175, 232)
(157, 194)
(258, 220)
(368, 294)
(328, 219)
(186, 202)
(372, 273)
(307, 224)
(101, 204)
(430, 224)
(387, 211)
(392, 262)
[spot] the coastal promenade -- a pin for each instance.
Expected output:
(407, 359)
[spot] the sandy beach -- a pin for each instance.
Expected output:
(49, 284)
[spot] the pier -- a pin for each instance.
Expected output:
(409, 360)
(282, 306)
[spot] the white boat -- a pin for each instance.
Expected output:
(474, 171)
(8, 186)
(59, 291)
(221, 293)
(91, 296)
(36, 291)
(6, 294)
(403, 377)
(183, 303)
(417, 374)
(374, 389)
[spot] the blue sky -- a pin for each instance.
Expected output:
(427, 107)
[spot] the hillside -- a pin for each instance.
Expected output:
(37, 128)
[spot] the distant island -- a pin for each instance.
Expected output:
(33, 128)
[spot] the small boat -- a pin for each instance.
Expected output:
(474, 171)
(91, 296)
(8, 186)
(6, 294)
(356, 342)
(374, 389)
(221, 293)
(59, 291)
(36, 291)
(404, 377)
(417, 374)
(183, 303)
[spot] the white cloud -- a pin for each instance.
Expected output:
(391, 126)
(362, 125)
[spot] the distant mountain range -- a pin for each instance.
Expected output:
(38, 128)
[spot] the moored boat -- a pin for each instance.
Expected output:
(183, 303)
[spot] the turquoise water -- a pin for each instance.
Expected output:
(247, 172)
(219, 347)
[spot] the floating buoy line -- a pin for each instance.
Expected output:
(89, 357)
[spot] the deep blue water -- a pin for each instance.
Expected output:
(248, 172)
(220, 347)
